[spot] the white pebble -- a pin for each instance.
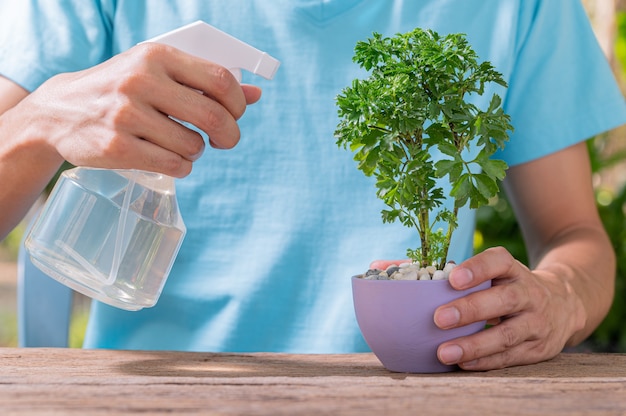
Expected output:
(412, 275)
(439, 275)
(449, 266)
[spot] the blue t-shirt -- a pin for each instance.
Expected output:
(277, 225)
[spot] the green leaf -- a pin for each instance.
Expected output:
(477, 199)
(486, 185)
(390, 215)
(453, 168)
(494, 168)
(448, 149)
(444, 167)
(461, 189)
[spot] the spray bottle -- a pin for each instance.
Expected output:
(113, 235)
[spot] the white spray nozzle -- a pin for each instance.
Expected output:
(207, 42)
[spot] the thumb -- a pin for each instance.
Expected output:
(383, 264)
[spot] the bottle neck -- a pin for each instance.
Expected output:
(155, 181)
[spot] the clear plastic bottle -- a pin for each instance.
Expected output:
(110, 234)
(114, 234)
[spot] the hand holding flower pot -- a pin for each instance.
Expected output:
(415, 100)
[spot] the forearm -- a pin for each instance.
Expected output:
(568, 247)
(581, 261)
(27, 164)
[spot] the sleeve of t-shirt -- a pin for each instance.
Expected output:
(561, 90)
(43, 38)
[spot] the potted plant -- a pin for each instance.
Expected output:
(415, 101)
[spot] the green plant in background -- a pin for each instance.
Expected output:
(496, 225)
(78, 323)
(414, 101)
(8, 329)
(620, 39)
(9, 247)
(611, 334)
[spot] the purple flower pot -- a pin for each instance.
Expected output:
(396, 320)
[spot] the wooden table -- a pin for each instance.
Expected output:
(86, 382)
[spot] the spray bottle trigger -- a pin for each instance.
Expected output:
(207, 42)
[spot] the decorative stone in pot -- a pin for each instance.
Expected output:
(396, 320)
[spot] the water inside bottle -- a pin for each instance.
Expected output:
(108, 236)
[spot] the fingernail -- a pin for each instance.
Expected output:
(447, 317)
(461, 277)
(450, 354)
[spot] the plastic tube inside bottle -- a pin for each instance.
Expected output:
(121, 228)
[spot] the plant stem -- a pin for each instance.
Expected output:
(424, 231)
(446, 247)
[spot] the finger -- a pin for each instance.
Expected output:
(523, 354)
(535, 345)
(200, 110)
(214, 80)
(496, 339)
(384, 264)
(492, 263)
(158, 159)
(527, 352)
(126, 151)
(494, 321)
(146, 123)
(518, 340)
(252, 93)
(175, 137)
(483, 305)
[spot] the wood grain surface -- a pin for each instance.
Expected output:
(94, 382)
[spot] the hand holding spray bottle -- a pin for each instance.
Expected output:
(113, 235)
